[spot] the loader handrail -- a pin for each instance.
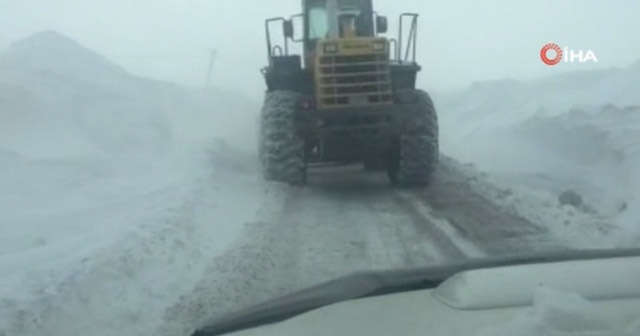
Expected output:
(412, 39)
(270, 47)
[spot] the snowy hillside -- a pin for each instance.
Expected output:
(48, 82)
(507, 102)
(101, 176)
(578, 131)
(54, 88)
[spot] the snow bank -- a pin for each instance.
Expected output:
(601, 149)
(556, 313)
(127, 287)
(575, 227)
(577, 131)
(60, 238)
(115, 191)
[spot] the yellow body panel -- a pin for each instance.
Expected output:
(352, 72)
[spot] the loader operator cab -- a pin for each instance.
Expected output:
(332, 28)
(352, 23)
(338, 19)
(352, 19)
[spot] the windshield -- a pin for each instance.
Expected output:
(318, 22)
(164, 164)
(352, 15)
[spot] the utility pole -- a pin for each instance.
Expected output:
(213, 55)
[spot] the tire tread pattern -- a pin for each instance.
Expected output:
(281, 149)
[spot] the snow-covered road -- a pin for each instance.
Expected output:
(345, 221)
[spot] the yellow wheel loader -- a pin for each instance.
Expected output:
(348, 96)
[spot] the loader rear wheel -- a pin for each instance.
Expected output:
(281, 149)
(415, 155)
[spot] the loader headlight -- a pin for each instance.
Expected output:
(330, 48)
(379, 46)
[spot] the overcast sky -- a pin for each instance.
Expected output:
(461, 41)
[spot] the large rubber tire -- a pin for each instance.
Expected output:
(417, 152)
(281, 149)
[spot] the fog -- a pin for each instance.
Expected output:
(460, 41)
(131, 207)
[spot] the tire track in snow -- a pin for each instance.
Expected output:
(346, 221)
(495, 230)
(446, 237)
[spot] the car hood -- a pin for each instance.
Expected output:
(575, 297)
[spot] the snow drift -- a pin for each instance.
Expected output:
(577, 131)
(108, 181)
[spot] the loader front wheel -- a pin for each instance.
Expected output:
(282, 150)
(414, 156)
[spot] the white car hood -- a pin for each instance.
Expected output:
(588, 297)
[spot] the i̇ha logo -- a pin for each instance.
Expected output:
(552, 54)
